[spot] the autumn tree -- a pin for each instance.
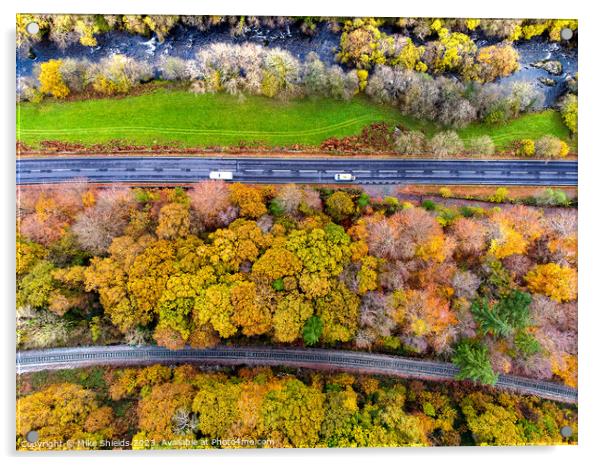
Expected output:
(489, 423)
(131, 280)
(290, 316)
(296, 412)
(203, 336)
(28, 253)
(61, 413)
(157, 410)
(569, 112)
(243, 241)
(446, 143)
(277, 262)
(97, 226)
(556, 281)
(174, 221)
(249, 199)
(37, 286)
(117, 74)
(341, 413)
(323, 253)
(130, 381)
(281, 73)
(214, 306)
(411, 142)
(496, 61)
(161, 24)
(360, 42)
(49, 212)
(507, 240)
(481, 146)
(465, 284)
(404, 234)
(210, 200)
(175, 306)
(251, 313)
(450, 52)
(376, 319)
(525, 148)
(51, 80)
(549, 146)
(340, 205)
(217, 404)
(339, 312)
(367, 276)
(426, 317)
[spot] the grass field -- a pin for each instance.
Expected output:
(529, 126)
(177, 117)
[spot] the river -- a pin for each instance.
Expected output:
(184, 41)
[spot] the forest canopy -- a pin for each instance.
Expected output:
(294, 264)
(158, 407)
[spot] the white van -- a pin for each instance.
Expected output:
(344, 177)
(225, 175)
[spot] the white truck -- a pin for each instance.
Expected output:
(224, 175)
(344, 177)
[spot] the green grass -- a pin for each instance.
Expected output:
(529, 126)
(177, 117)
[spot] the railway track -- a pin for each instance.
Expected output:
(321, 359)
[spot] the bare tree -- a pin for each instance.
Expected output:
(446, 143)
(97, 226)
(184, 421)
(465, 284)
(210, 200)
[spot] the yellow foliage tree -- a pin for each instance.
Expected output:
(295, 412)
(368, 275)
(339, 311)
(557, 282)
(277, 262)
(51, 79)
(61, 413)
(216, 404)
(248, 199)
(566, 369)
(253, 317)
(214, 306)
(508, 242)
(290, 316)
(174, 221)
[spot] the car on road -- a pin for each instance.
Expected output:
(225, 175)
(344, 177)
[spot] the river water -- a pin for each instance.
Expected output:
(184, 41)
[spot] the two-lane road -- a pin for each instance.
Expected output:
(317, 359)
(249, 169)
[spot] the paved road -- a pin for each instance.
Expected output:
(52, 359)
(161, 170)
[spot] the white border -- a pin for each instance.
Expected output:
(590, 275)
